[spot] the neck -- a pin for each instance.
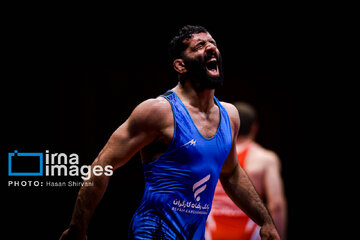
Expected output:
(201, 99)
(244, 140)
(242, 143)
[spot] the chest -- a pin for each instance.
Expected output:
(206, 123)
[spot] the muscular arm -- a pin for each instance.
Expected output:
(142, 127)
(239, 188)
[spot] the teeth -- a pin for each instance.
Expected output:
(212, 61)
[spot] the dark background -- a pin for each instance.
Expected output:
(72, 83)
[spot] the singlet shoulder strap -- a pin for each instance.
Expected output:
(167, 93)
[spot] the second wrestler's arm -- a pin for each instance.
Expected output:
(142, 127)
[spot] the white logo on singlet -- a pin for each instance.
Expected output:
(190, 207)
(200, 186)
(192, 142)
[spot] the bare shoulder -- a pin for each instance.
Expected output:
(153, 107)
(269, 158)
(231, 109)
(154, 112)
(273, 158)
(233, 115)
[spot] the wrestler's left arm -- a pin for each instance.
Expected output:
(239, 188)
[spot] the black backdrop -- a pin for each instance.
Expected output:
(70, 85)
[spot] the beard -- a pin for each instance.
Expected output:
(198, 73)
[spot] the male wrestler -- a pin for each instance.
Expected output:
(186, 138)
(226, 220)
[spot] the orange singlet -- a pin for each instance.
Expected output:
(226, 220)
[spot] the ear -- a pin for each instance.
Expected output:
(179, 66)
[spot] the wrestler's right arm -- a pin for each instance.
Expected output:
(143, 126)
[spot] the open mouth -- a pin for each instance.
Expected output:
(212, 66)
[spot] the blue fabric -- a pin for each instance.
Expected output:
(180, 184)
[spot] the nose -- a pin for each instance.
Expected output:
(210, 47)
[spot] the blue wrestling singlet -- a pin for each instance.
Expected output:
(180, 184)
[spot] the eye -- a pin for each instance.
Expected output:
(213, 42)
(199, 45)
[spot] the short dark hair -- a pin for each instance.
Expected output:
(248, 117)
(177, 45)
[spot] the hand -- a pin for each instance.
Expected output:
(269, 232)
(72, 234)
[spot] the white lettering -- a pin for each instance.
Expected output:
(73, 170)
(97, 170)
(24, 183)
(74, 158)
(53, 155)
(62, 156)
(87, 173)
(108, 170)
(58, 168)
(47, 157)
